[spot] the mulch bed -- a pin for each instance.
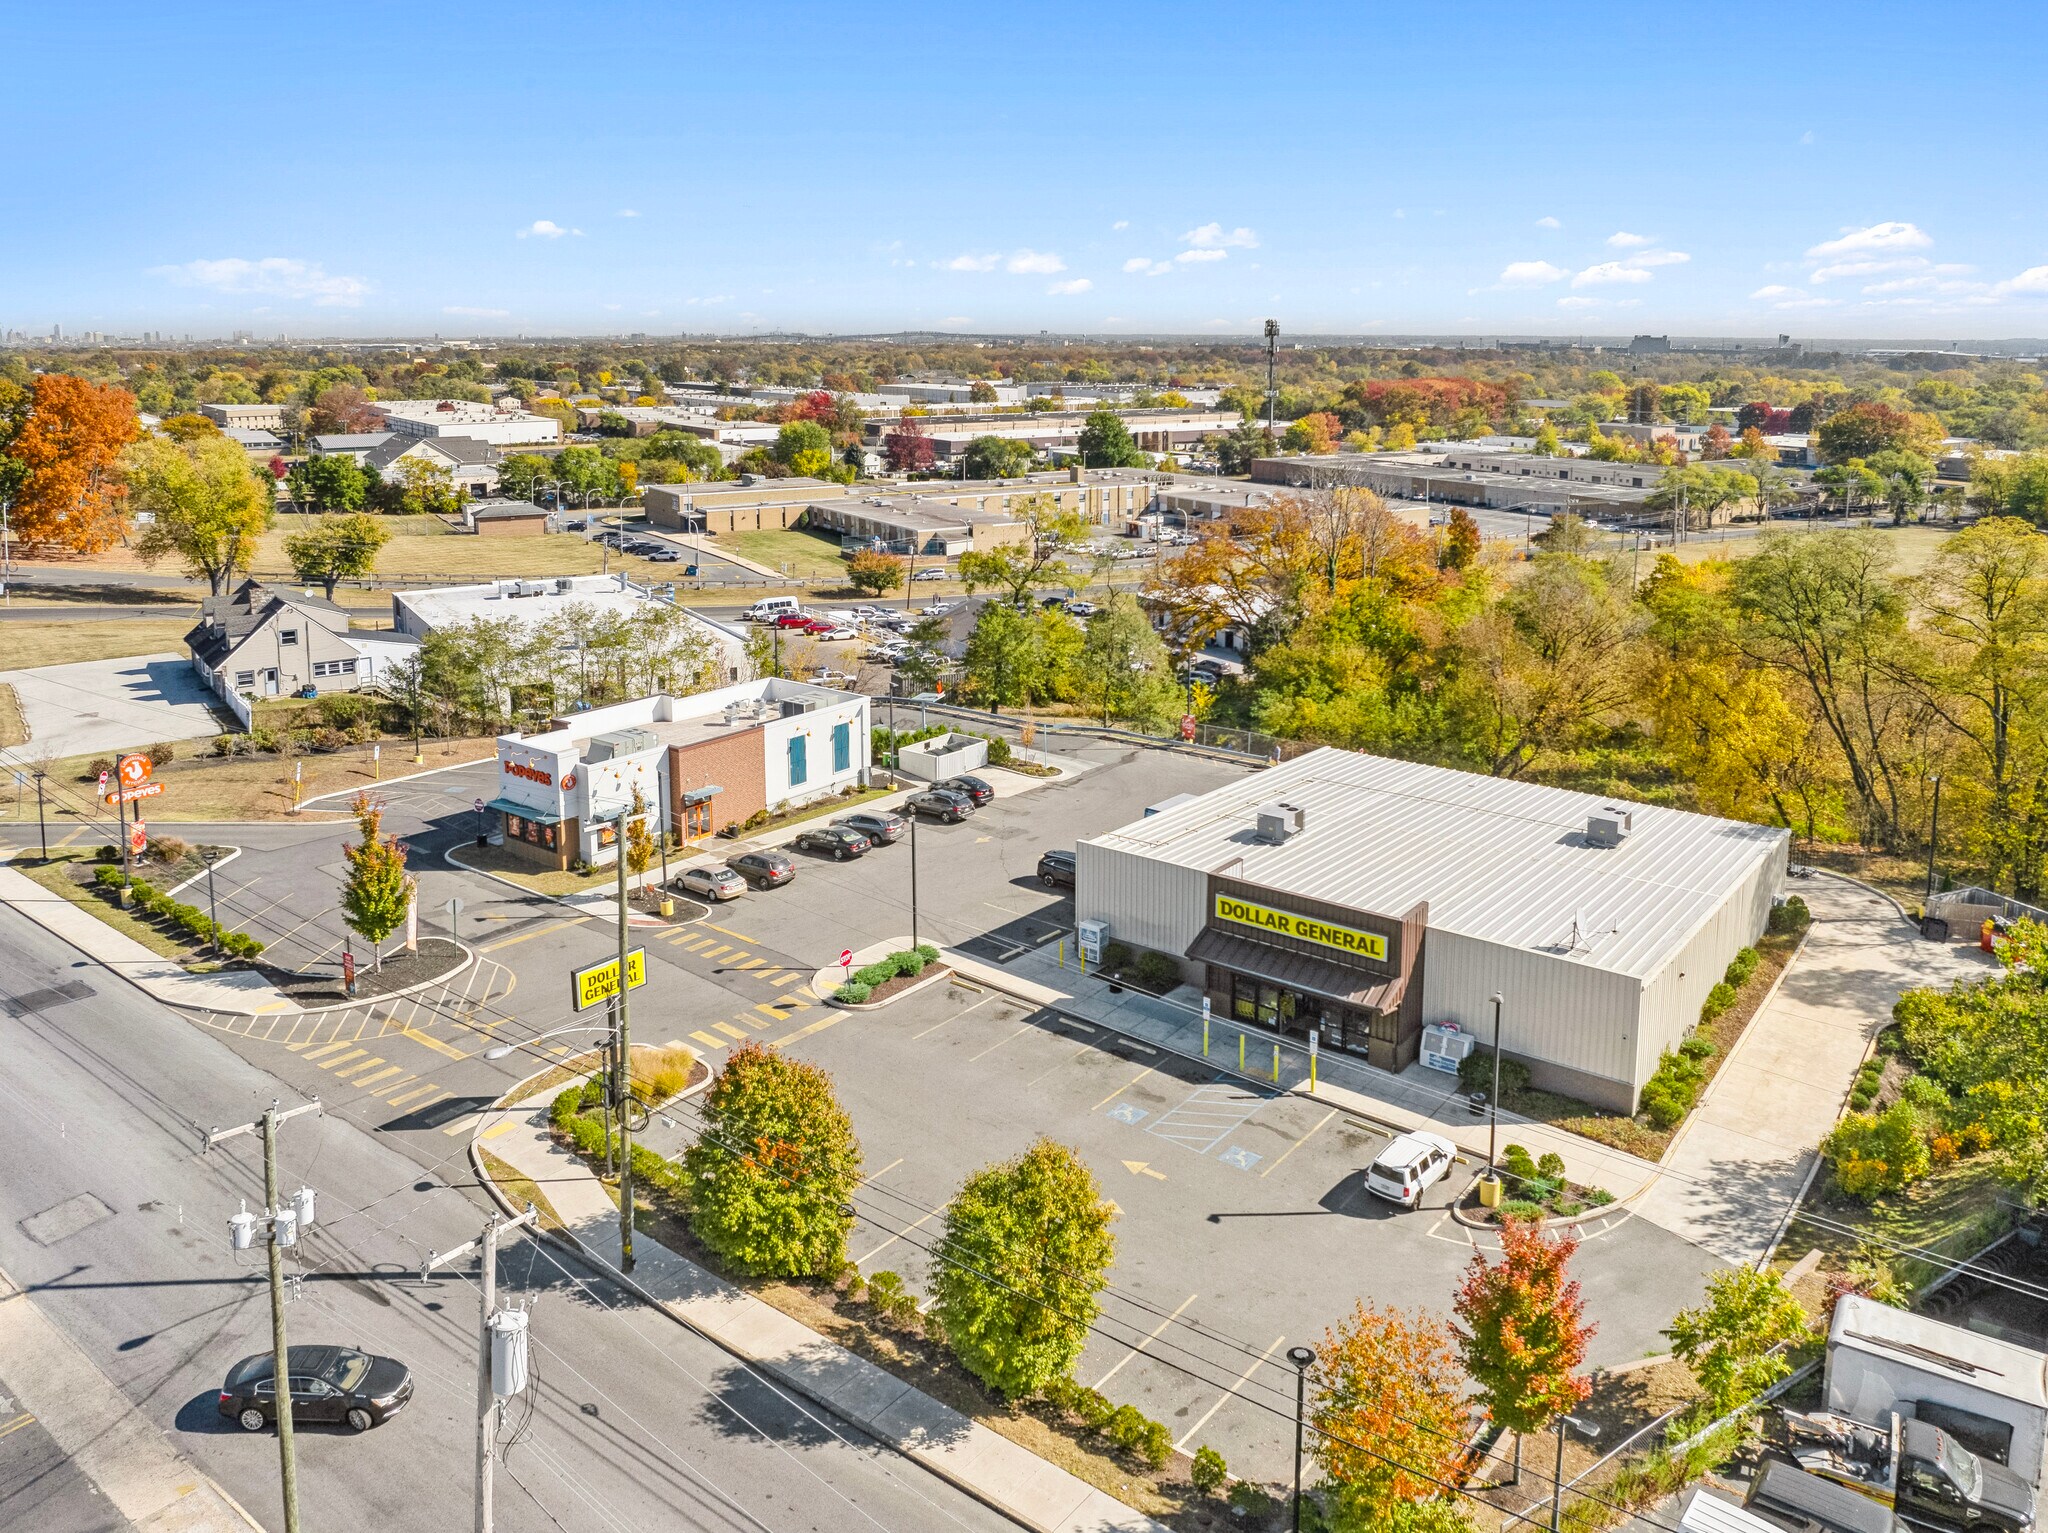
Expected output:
(900, 982)
(435, 957)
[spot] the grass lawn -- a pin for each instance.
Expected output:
(549, 881)
(56, 876)
(207, 787)
(60, 640)
(1955, 1211)
(424, 547)
(521, 1190)
(1914, 547)
(804, 555)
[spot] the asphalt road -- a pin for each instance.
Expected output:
(634, 1422)
(40, 1487)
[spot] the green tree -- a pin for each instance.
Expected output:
(1027, 1248)
(1017, 569)
(1387, 1399)
(2013, 486)
(774, 1167)
(1106, 442)
(1700, 492)
(404, 682)
(589, 473)
(1847, 484)
(1546, 440)
(521, 475)
(804, 448)
(376, 890)
(1734, 1341)
(925, 661)
(1867, 429)
(640, 847)
(1237, 450)
(997, 457)
(1461, 540)
(874, 573)
(1521, 1329)
(1904, 479)
(336, 548)
(421, 488)
(334, 482)
(1125, 671)
(205, 503)
(1002, 658)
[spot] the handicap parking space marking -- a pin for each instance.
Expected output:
(1125, 1112)
(1208, 1116)
(1237, 1155)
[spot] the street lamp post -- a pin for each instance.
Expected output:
(1303, 1358)
(1933, 834)
(1493, 1104)
(1557, 1475)
(212, 909)
(42, 830)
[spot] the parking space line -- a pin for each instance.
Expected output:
(1228, 1394)
(384, 1074)
(1021, 1031)
(862, 1261)
(709, 1041)
(1151, 1336)
(729, 1030)
(1126, 1086)
(1304, 1139)
(544, 926)
(414, 1095)
(876, 1176)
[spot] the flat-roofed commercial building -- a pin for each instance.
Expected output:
(1366, 898)
(500, 425)
(748, 505)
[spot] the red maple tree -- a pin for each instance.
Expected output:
(1522, 1333)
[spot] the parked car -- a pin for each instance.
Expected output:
(841, 615)
(815, 625)
(878, 825)
(1082, 608)
(940, 804)
(575, 526)
(930, 572)
(886, 651)
(1406, 1168)
(328, 1384)
(875, 614)
(825, 676)
(1052, 601)
(834, 841)
(973, 788)
(1056, 869)
(665, 556)
(764, 870)
(711, 883)
(792, 620)
(836, 633)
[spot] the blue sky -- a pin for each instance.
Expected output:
(1837, 170)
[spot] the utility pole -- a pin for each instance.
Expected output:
(492, 1380)
(284, 1226)
(622, 1081)
(1272, 362)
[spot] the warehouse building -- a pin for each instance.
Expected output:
(1368, 899)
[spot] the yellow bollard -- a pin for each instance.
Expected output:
(1063, 952)
(1205, 1035)
(1240, 1053)
(1276, 1064)
(1311, 1074)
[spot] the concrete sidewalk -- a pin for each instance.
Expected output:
(979, 1461)
(240, 991)
(1740, 1162)
(1417, 1098)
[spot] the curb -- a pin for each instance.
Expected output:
(569, 902)
(1593, 1221)
(378, 782)
(942, 972)
(468, 958)
(176, 889)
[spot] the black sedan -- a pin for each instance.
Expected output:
(764, 870)
(834, 841)
(970, 787)
(878, 825)
(941, 804)
(328, 1384)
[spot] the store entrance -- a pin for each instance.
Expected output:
(1292, 1013)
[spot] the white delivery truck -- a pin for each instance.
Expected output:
(1991, 1396)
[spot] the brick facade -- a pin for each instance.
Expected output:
(734, 763)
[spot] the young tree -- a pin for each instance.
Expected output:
(774, 1166)
(804, 448)
(1734, 1341)
(521, 475)
(1017, 569)
(205, 502)
(343, 409)
(1105, 442)
(424, 489)
(377, 889)
(405, 683)
(1125, 667)
(997, 457)
(1387, 1399)
(64, 453)
(640, 845)
(1242, 446)
(1522, 1335)
(1461, 540)
(906, 449)
(1027, 1248)
(336, 548)
(874, 573)
(1002, 657)
(334, 482)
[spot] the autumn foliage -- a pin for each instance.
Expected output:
(67, 454)
(1522, 1333)
(1422, 401)
(906, 449)
(1388, 1406)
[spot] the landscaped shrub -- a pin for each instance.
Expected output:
(1668, 1095)
(587, 1135)
(1156, 971)
(660, 1073)
(101, 767)
(1208, 1474)
(168, 849)
(1516, 1163)
(342, 710)
(225, 745)
(329, 739)
(999, 752)
(1519, 1208)
(1551, 1166)
(1117, 956)
(927, 952)
(1698, 1049)
(566, 1105)
(876, 973)
(1873, 1154)
(1475, 1073)
(1927, 1094)
(1742, 966)
(161, 752)
(1718, 1000)
(909, 965)
(890, 1298)
(853, 993)
(1790, 917)
(107, 876)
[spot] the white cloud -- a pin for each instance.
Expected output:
(272, 277)
(546, 229)
(1776, 290)
(1609, 272)
(1806, 137)
(1530, 274)
(1649, 258)
(1578, 303)
(1137, 263)
(1042, 263)
(1070, 287)
(1216, 237)
(1885, 236)
(956, 319)
(472, 313)
(2033, 280)
(1623, 240)
(1120, 225)
(1867, 268)
(719, 298)
(629, 212)
(1548, 223)
(1806, 303)
(1203, 253)
(970, 263)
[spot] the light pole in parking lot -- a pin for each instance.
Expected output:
(1493, 1096)
(913, 875)
(1303, 1358)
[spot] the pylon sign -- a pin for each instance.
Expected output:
(134, 771)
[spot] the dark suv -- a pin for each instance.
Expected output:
(941, 804)
(330, 1384)
(835, 841)
(878, 825)
(1055, 869)
(972, 788)
(764, 870)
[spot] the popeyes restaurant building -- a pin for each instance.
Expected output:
(1378, 905)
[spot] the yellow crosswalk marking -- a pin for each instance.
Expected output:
(785, 979)
(729, 1030)
(713, 952)
(384, 1074)
(388, 1087)
(757, 963)
(774, 1013)
(709, 1041)
(816, 1027)
(415, 1095)
(356, 1069)
(496, 1129)
(325, 1048)
(698, 944)
(732, 959)
(463, 1125)
(428, 1040)
(342, 1059)
(736, 936)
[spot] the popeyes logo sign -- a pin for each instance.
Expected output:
(530, 773)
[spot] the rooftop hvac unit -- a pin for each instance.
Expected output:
(1607, 825)
(617, 743)
(1280, 822)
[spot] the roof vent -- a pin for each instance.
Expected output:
(1280, 822)
(1608, 825)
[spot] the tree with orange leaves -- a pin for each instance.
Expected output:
(65, 455)
(1388, 1405)
(1523, 1333)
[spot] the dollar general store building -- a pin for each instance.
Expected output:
(1367, 898)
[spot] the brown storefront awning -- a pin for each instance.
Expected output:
(1298, 971)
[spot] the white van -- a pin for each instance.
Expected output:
(769, 608)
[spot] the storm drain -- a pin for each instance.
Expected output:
(63, 1220)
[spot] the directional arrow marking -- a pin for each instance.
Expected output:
(1139, 1168)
